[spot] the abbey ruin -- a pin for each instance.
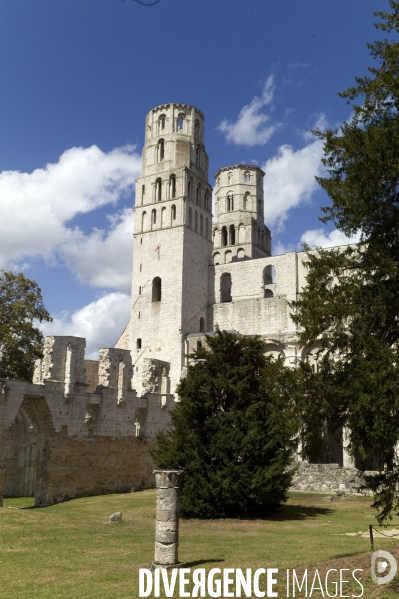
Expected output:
(84, 427)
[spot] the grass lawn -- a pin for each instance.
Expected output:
(70, 551)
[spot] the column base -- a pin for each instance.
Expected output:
(154, 566)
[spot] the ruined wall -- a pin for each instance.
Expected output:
(61, 441)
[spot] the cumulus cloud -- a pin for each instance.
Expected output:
(103, 258)
(319, 238)
(101, 322)
(290, 180)
(252, 127)
(37, 207)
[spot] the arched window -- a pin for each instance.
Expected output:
(247, 177)
(246, 201)
(180, 122)
(163, 216)
(201, 225)
(269, 275)
(161, 150)
(190, 189)
(142, 194)
(196, 221)
(198, 195)
(156, 289)
(153, 218)
(225, 287)
(232, 235)
(172, 186)
(202, 325)
(173, 213)
(161, 123)
(197, 156)
(206, 228)
(229, 178)
(143, 221)
(230, 203)
(240, 254)
(216, 258)
(268, 293)
(216, 236)
(224, 236)
(190, 218)
(197, 128)
(158, 189)
(228, 257)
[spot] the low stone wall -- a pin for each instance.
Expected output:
(325, 478)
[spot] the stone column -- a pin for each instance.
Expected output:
(168, 484)
(348, 460)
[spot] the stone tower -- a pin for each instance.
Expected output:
(239, 232)
(172, 241)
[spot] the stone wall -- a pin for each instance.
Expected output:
(60, 439)
(325, 478)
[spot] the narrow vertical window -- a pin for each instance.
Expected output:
(161, 122)
(142, 193)
(180, 122)
(224, 236)
(196, 221)
(153, 218)
(232, 235)
(190, 218)
(156, 289)
(201, 225)
(158, 190)
(138, 343)
(173, 213)
(206, 228)
(198, 195)
(143, 222)
(202, 325)
(161, 150)
(172, 186)
(197, 156)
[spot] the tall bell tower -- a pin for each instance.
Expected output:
(172, 240)
(239, 231)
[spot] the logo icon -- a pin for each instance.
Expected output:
(380, 560)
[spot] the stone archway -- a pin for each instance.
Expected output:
(22, 467)
(27, 437)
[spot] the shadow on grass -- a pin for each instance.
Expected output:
(203, 561)
(300, 512)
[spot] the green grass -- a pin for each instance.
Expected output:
(70, 551)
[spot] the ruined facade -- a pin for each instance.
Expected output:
(79, 428)
(85, 427)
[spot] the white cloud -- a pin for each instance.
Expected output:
(319, 122)
(103, 259)
(101, 322)
(319, 238)
(37, 207)
(252, 127)
(290, 180)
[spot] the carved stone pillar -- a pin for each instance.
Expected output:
(168, 484)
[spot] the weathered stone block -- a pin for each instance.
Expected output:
(165, 554)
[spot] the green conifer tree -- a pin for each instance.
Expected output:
(351, 304)
(231, 430)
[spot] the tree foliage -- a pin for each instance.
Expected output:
(21, 342)
(350, 307)
(231, 430)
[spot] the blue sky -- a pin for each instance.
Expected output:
(78, 77)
